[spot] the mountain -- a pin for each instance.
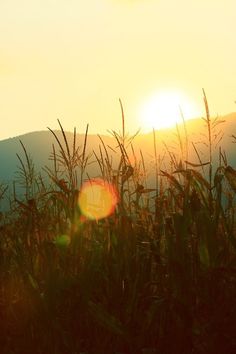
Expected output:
(39, 147)
(222, 133)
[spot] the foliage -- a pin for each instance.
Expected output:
(156, 276)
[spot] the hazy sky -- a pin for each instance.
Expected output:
(73, 59)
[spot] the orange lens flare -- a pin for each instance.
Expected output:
(97, 199)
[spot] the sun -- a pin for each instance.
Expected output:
(163, 110)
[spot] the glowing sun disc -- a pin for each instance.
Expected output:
(163, 110)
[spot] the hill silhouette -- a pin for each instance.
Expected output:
(39, 146)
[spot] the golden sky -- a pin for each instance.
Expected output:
(73, 59)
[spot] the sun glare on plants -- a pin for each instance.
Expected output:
(163, 110)
(97, 199)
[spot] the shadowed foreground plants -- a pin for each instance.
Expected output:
(156, 276)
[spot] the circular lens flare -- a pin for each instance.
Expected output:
(97, 199)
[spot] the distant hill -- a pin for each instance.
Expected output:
(197, 133)
(39, 146)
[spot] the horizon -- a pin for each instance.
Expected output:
(108, 133)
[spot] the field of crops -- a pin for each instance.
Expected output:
(141, 270)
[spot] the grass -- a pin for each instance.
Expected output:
(156, 276)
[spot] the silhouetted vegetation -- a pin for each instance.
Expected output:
(156, 276)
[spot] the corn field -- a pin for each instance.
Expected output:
(156, 274)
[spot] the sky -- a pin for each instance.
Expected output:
(73, 59)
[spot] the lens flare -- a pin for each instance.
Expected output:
(62, 241)
(97, 199)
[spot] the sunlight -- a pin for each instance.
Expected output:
(97, 199)
(163, 110)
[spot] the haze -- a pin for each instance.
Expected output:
(73, 59)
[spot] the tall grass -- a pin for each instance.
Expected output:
(156, 276)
